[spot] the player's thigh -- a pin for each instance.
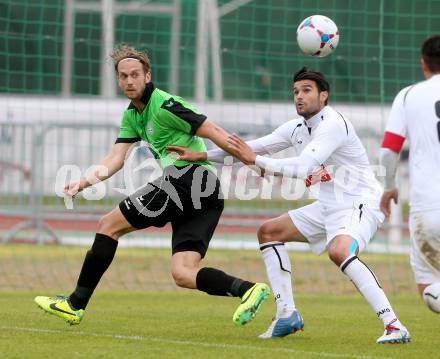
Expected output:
(150, 206)
(194, 229)
(352, 227)
(279, 229)
(309, 222)
(114, 224)
(425, 246)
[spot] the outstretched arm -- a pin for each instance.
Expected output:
(259, 146)
(264, 145)
(291, 167)
(327, 138)
(208, 130)
(109, 165)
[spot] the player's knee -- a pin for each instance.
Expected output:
(341, 248)
(431, 296)
(337, 253)
(181, 277)
(333, 254)
(109, 226)
(103, 224)
(265, 233)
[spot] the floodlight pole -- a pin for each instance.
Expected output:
(66, 78)
(214, 29)
(109, 9)
(208, 29)
(201, 51)
(108, 88)
(175, 47)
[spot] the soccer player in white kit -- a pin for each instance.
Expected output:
(415, 114)
(345, 216)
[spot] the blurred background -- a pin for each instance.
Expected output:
(60, 109)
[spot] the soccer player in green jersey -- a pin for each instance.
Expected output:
(187, 195)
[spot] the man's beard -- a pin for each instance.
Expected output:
(308, 114)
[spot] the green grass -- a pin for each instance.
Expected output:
(137, 311)
(26, 267)
(189, 324)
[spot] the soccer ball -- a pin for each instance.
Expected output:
(317, 35)
(431, 296)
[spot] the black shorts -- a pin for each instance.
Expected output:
(189, 197)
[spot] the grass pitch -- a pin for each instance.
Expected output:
(189, 324)
(138, 313)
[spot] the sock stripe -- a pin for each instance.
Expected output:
(273, 246)
(264, 246)
(279, 259)
(375, 278)
(347, 262)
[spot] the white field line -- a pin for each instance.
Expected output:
(190, 343)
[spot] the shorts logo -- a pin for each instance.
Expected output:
(166, 186)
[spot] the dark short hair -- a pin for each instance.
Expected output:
(431, 53)
(317, 77)
(124, 51)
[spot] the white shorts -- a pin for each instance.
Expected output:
(424, 230)
(320, 225)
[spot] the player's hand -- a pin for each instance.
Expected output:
(187, 154)
(241, 150)
(73, 188)
(385, 201)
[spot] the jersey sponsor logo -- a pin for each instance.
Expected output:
(149, 128)
(320, 175)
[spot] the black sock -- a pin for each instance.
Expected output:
(216, 282)
(97, 260)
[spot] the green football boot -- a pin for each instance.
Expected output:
(60, 307)
(250, 303)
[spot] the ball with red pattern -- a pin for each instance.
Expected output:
(317, 35)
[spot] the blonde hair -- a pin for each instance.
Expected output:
(124, 51)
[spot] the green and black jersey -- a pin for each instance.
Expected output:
(165, 120)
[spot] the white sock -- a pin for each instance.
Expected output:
(278, 269)
(366, 282)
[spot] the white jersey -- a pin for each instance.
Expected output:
(331, 140)
(415, 115)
